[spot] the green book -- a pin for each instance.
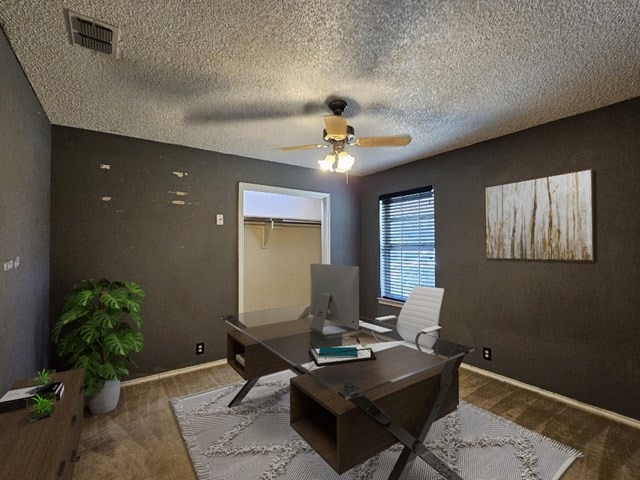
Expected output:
(338, 351)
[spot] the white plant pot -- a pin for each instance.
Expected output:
(106, 399)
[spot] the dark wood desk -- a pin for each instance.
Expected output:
(351, 411)
(340, 432)
(258, 360)
(48, 448)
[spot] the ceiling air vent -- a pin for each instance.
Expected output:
(93, 34)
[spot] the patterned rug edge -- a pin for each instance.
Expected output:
(541, 438)
(201, 466)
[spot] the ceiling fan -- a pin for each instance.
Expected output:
(338, 134)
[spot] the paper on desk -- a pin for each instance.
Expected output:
(17, 394)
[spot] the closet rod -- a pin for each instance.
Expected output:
(280, 221)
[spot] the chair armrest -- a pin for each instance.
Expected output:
(430, 329)
(426, 330)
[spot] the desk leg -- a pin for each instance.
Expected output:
(243, 391)
(423, 425)
(246, 388)
(413, 445)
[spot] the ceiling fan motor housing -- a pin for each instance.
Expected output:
(348, 138)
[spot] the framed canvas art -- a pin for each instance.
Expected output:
(546, 218)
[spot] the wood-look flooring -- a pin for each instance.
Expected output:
(141, 439)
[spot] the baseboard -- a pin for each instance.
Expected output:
(570, 401)
(170, 373)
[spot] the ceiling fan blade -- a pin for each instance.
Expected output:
(396, 141)
(303, 147)
(335, 126)
(250, 111)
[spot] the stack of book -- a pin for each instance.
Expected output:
(15, 399)
(340, 354)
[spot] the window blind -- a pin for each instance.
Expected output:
(407, 242)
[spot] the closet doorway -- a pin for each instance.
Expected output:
(280, 232)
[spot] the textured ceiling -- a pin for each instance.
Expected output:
(245, 77)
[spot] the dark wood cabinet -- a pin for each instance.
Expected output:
(47, 448)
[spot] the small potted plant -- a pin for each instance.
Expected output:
(43, 376)
(98, 330)
(40, 406)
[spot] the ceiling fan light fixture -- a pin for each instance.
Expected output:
(338, 134)
(345, 162)
(326, 164)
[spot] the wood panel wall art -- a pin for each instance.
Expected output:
(546, 218)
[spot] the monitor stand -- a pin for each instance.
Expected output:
(320, 316)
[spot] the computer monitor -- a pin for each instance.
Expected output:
(335, 296)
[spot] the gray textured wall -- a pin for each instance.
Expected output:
(25, 160)
(186, 264)
(571, 328)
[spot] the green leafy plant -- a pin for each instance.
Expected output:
(98, 328)
(43, 376)
(41, 406)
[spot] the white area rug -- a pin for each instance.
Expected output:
(254, 441)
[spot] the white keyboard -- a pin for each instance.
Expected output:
(374, 328)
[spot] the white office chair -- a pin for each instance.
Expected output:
(418, 321)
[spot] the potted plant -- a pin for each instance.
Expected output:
(98, 329)
(40, 406)
(43, 376)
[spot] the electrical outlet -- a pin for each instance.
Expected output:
(199, 348)
(486, 353)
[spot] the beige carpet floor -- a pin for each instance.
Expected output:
(141, 440)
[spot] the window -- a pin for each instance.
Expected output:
(407, 242)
